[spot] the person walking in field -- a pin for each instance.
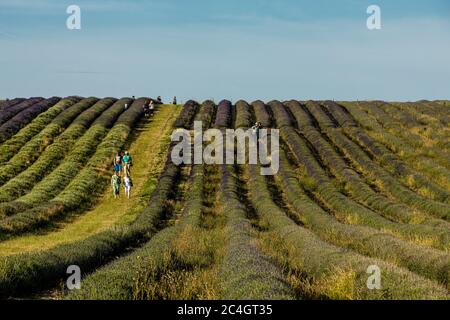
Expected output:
(174, 102)
(256, 129)
(145, 107)
(118, 169)
(117, 157)
(115, 183)
(117, 163)
(151, 108)
(127, 163)
(128, 184)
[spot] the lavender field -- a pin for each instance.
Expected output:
(359, 208)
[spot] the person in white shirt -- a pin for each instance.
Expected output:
(152, 108)
(128, 184)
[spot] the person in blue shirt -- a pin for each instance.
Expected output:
(127, 163)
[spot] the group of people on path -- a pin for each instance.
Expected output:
(174, 101)
(123, 161)
(149, 106)
(122, 168)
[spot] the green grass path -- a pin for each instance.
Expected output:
(149, 150)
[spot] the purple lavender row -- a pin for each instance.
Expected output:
(224, 115)
(6, 115)
(10, 103)
(187, 115)
(11, 127)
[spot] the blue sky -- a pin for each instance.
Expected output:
(252, 49)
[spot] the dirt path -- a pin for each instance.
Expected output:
(148, 150)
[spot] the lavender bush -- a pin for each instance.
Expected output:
(9, 113)
(12, 126)
(224, 115)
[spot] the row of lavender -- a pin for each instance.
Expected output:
(17, 113)
(29, 273)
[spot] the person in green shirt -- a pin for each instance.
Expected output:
(127, 162)
(115, 183)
